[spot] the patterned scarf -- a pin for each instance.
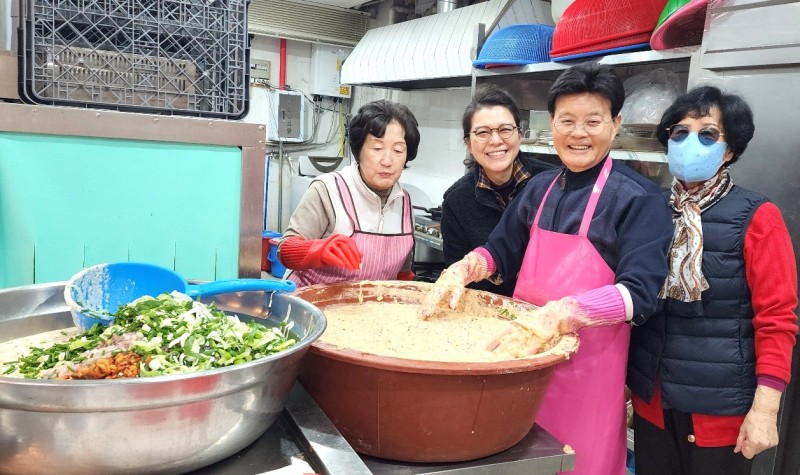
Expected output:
(686, 281)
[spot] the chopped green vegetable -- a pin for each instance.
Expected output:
(173, 333)
(506, 313)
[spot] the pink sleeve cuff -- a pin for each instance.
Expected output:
(603, 303)
(772, 382)
(491, 268)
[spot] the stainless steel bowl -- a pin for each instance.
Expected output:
(165, 424)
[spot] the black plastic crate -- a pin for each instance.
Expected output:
(187, 57)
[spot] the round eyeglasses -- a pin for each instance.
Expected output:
(485, 133)
(592, 126)
(708, 135)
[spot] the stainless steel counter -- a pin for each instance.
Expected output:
(303, 440)
(427, 239)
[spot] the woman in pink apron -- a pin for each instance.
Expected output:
(588, 243)
(357, 224)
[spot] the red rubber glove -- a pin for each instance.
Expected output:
(337, 250)
(406, 275)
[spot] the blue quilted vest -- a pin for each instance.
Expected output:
(704, 352)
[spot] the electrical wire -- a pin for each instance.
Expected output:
(317, 110)
(341, 131)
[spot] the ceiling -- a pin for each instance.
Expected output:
(341, 3)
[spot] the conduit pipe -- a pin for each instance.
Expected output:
(282, 66)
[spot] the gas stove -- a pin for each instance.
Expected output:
(428, 231)
(428, 257)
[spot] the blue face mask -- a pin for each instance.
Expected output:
(691, 161)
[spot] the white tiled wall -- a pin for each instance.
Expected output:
(441, 151)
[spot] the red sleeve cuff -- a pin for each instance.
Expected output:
(772, 382)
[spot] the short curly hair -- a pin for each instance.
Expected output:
(372, 119)
(737, 117)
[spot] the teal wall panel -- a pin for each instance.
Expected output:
(71, 202)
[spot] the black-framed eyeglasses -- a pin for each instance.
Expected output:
(485, 133)
(708, 135)
(592, 125)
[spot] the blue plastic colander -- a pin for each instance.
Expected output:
(95, 293)
(516, 45)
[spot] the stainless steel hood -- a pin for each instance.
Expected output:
(436, 50)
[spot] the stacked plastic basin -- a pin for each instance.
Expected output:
(594, 27)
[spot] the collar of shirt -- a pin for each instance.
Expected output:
(518, 175)
(574, 180)
(396, 192)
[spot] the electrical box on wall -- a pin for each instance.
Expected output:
(260, 69)
(326, 68)
(287, 116)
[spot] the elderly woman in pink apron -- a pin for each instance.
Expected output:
(357, 224)
(588, 243)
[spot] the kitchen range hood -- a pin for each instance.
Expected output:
(434, 51)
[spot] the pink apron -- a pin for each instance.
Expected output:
(584, 405)
(384, 254)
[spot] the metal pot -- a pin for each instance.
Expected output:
(424, 411)
(165, 424)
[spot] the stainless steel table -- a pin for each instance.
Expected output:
(303, 440)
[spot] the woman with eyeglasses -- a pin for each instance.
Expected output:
(496, 174)
(588, 244)
(707, 371)
(357, 224)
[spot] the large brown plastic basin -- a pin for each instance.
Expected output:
(423, 411)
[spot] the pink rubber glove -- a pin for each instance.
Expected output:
(759, 430)
(336, 250)
(450, 285)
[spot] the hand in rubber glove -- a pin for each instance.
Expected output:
(526, 335)
(531, 331)
(336, 250)
(759, 430)
(450, 284)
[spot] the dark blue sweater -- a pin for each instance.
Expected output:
(631, 227)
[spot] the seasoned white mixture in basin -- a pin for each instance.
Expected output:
(394, 329)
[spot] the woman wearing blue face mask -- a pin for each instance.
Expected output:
(708, 370)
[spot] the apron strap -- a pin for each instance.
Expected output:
(407, 227)
(594, 197)
(544, 198)
(347, 201)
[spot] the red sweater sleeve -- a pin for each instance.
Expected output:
(772, 278)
